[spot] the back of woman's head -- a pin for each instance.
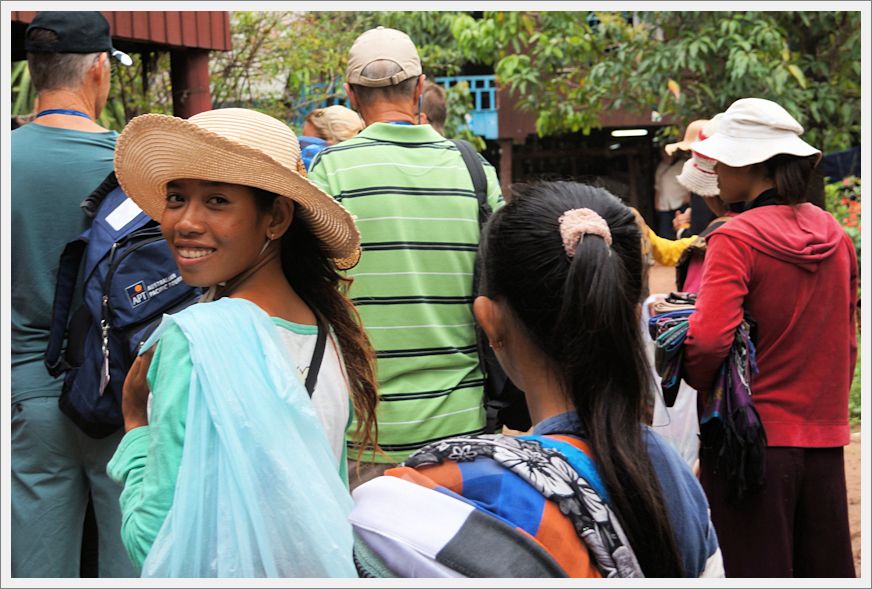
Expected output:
(792, 176)
(573, 308)
(577, 301)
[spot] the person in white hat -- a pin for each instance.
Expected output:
(790, 266)
(233, 470)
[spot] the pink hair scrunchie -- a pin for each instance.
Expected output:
(576, 223)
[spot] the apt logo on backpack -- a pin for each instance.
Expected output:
(139, 292)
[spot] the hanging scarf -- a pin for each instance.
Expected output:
(731, 433)
(562, 474)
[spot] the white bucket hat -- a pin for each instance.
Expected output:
(698, 174)
(753, 130)
(236, 146)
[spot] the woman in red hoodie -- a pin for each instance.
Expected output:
(790, 266)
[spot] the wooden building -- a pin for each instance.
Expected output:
(187, 36)
(624, 165)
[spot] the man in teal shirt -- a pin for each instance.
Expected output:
(417, 213)
(57, 160)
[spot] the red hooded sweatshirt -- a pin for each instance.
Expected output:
(794, 270)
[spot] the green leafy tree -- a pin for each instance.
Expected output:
(568, 67)
(282, 63)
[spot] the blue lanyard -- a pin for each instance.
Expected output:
(62, 111)
(400, 123)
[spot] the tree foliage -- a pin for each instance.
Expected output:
(282, 63)
(567, 67)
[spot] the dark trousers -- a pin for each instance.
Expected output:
(797, 526)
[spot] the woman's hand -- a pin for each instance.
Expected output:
(681, 220)
(134, 394)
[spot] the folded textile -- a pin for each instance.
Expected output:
(406, 529)
(731, 433)
(536, 501)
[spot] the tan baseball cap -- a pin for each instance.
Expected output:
(381, 44)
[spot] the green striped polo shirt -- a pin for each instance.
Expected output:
(416, 210)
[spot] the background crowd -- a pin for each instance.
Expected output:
(322, 410)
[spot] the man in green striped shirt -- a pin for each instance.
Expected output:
(417, 213)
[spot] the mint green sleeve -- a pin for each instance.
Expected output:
(318, 175)
(147, 460)
(494, 192)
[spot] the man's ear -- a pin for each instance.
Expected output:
(352, 97)
(419, 87)
(101, 67)
(489, 315)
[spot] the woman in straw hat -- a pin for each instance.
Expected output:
(231, 469)
(789, 265)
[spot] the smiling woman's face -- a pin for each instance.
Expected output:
(213, 229)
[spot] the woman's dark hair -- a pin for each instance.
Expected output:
(313, 275)
(581, 312)
(792, 176)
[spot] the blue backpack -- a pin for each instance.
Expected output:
(129, 279)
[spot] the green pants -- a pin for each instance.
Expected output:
(54, 465)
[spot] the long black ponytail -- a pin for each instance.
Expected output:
(582, 313)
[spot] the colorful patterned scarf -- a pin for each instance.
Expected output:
(565, 476)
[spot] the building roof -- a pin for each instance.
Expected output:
(149, 30)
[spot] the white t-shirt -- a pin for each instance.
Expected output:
(330, 398)
(671, 194)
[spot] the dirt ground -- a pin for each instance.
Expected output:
(662, 279)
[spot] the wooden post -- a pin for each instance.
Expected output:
(505, 166)
(189, 74)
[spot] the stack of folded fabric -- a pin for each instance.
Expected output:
(668, 328)
(731, 433)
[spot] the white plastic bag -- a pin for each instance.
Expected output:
(679, 424)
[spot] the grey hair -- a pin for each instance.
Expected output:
(56, 71)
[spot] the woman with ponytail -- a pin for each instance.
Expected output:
(789, 266)
(592, 492)
(234, 463)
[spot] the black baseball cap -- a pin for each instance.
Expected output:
(77, 32)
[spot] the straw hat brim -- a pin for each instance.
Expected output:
(156, 149)
(671, 148)
(737, 152)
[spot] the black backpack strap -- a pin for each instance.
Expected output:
(92, 202)
(68, 272)
(317, 355)
(479, 180)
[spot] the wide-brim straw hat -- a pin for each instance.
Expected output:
(752, 131)
(691, 134)
(235, 146)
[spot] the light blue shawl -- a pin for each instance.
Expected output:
(258, 493)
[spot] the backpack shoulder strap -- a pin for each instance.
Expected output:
(68, 271)
(317, 355)
(476, 172)
(92, 202)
